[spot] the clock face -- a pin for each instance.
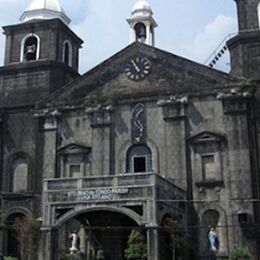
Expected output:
(138, 68)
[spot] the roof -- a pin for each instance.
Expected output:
(44, 9)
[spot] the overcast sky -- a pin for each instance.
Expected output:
(189, 28)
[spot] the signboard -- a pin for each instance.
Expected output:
(96, 194)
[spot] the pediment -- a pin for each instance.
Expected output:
(207, 137)
(169, 75)
(74, 149)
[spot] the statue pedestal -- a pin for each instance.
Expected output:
(75, 256)
(73, 250)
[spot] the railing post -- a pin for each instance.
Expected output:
(80, 183)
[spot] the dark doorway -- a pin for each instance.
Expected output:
(12, 245)
(104, 229)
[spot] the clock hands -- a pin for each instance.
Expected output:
(135, 65)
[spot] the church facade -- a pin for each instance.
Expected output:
(145, 141)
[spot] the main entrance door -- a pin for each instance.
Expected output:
(94, 231)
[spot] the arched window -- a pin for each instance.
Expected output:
(67, 53)
(19, 171)
(210, 218)
(30, 48)
(140, 32)
(139, 159)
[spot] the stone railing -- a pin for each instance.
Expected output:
(100, 181)
(111, 187)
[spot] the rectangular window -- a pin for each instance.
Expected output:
(208, 167)
(74, 171)
(139, 164)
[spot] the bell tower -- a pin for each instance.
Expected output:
(41, 53)
(245, 46)
(42, 34)
(142, 23)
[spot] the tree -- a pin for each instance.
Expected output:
(27, 230)
(136, 246)
(240, 253)
(177, 244)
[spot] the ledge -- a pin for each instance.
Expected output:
(210, 184)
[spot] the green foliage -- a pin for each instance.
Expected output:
(136, 246)
(240, 253)
(10, 258)
(246, 84)
(27, 232)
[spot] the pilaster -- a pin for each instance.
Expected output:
(101, 123)
(50, 127)
(240, 185)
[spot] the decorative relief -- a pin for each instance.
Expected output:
(173, 100)
(174, 107)
(50, 117)
(100, 115)
(138, 123)
(235, 101)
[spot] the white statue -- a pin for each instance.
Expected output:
(82, 239)
(74, 240)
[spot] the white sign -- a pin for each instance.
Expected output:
(98, 194)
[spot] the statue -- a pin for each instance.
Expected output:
(74, 240)
(82, 239)
(213, 240)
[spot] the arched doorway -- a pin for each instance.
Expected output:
(102, 229)
(12, 247)
(210, 219)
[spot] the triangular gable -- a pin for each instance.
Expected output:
(170, 74)
(73, 149)
(207, 137)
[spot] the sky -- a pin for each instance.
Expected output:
(189, 28)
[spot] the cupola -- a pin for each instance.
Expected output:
(142, 23)
(44, 10)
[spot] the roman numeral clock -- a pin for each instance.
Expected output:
(137, 68)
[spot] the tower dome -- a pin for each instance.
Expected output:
(44, 10)
(142, 7)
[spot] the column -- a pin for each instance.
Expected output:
(148, 34)
(153, 242)
(46, 246)
(132, 35)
